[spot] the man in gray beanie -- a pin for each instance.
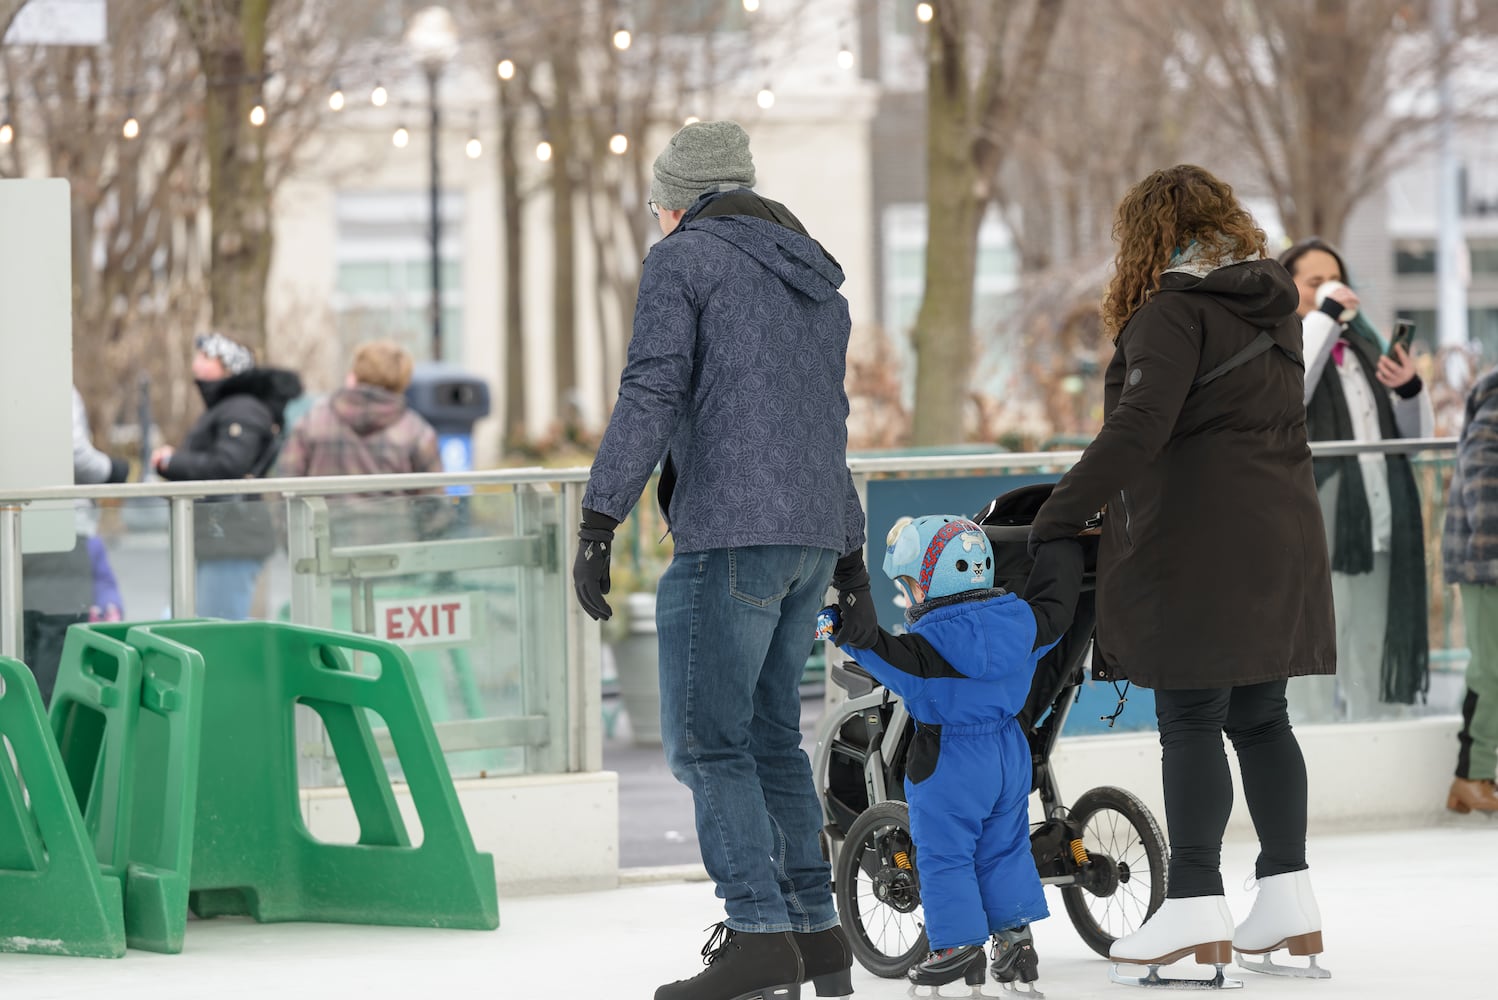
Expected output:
(734, 384)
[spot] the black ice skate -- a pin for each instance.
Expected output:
(742, 966)
(1015, 961)
(828, 961)
(949, 965)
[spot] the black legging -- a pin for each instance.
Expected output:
(1199, 787)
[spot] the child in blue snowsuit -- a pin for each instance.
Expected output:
(963, 670)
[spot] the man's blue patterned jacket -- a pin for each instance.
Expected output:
(736, 369)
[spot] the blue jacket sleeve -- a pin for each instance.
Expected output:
(902, 663)
(654, 387)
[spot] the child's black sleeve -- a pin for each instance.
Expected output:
(1054, 585)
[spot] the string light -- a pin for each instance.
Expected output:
(505, 69)
(751, 6)
(474, 149)
(845, 58)
(379, 96)
(336, 99)
(691, 120)
(131, 128)
(401, 138)
(924, 12)
(257, 115)
(619, 144)
(622, 38)
(765, 98)
(7, 133)
(543, 150)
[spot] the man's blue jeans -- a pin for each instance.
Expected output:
(736, 627)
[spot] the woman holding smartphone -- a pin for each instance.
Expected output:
(1355, 390)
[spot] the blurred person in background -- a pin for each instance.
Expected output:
(363, 429)
(1355, 391)
(64, 588)
(1206, 592)
(1469, 550)
(237, 436)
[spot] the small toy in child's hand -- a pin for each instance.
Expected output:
(828, 621)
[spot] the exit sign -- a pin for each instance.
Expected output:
(425, 621)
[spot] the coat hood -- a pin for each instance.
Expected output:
(367, 409)
(1260, 292)
(275, 387)
(763, 229)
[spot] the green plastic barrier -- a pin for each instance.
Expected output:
(252, 853)
(127, 715)
(53, 897)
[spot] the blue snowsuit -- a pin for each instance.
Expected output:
(963, 670)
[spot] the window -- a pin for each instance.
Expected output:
(384, 271)
(1411, 257)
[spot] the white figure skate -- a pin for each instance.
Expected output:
(1284, 915)
(1198, 926)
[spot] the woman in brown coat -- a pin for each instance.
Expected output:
(1213, 584)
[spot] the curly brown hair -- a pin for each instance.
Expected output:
(1166, 212)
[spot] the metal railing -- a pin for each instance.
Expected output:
(576, 745)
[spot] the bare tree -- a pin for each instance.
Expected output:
(984, 62)
(1309, 88)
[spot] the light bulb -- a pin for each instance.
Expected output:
(7, 134)
(335, 99)
(378, 96)
(132, 127)
(924, 12)
(751, 5)
(765, 98)
(691, 120)
(257, 115)
(622, 39)
(618, 144)
(401, 139)
(505, 69)
(474, 149)
(543, 150)
(845, 58)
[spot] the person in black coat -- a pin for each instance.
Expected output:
(1213, 585)
(237, 437)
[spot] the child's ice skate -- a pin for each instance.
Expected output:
(1284, 915)
(1197, 926)
(947, 966)
(1015, 961)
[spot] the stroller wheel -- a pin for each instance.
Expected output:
(1124, 881)
(878, 891)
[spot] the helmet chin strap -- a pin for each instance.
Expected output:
(910, 590)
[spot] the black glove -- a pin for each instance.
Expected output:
(590, 570)
(119, 470)
(860, 624)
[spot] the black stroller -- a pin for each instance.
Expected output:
(1105, 852)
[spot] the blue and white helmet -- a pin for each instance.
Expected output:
(944, 553)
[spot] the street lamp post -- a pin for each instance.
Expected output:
(432, 37)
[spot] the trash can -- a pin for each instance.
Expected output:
(451, 400)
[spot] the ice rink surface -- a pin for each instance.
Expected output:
(1409, 914)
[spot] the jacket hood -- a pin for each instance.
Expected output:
(275, 387)
(367, 409)
(1260, 292)
(967, 630)
(794, 257)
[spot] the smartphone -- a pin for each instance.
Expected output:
(1404, 335)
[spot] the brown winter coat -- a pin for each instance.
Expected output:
(1213, 567)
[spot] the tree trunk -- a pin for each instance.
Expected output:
(564, 239)
(944, 325)
(513, 281)
(232, 54)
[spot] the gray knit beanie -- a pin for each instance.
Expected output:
(701, 157)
